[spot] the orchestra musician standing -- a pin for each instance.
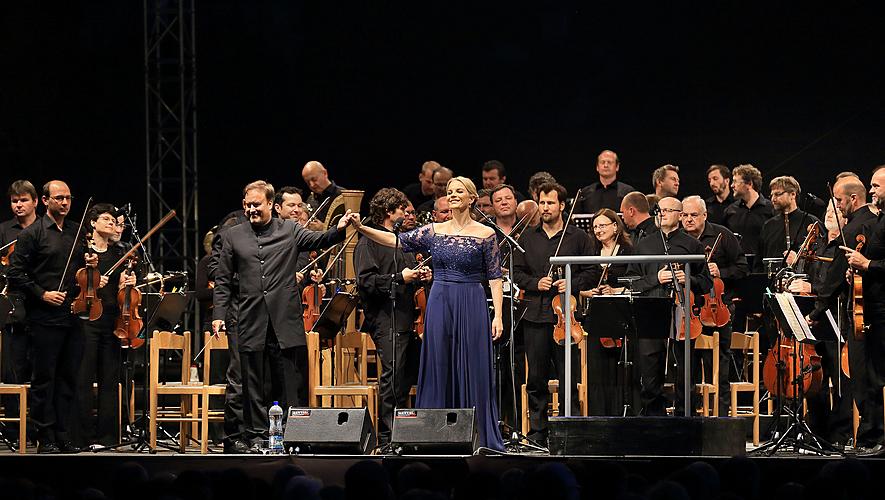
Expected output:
(380, 273)
(870, 261)
(40, 267)
(787, 229)
(269, 322)
(635, 210)
(102, 353)
(16, 338)
(321, 189)
(656, 280)
(606, 373)
(608, 191)
(728, 263)
(533, 273)
(719, 179)
(750, 209)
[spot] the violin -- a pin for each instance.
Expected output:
(129, 322)
(312, 301)
(857, 295)
(576, 328)
(714, 312)
(87, 304)
(782, 371)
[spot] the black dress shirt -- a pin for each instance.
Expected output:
(832, 284)
(728, 255)
(716, 208)
(531, 266)
(874, 276)
(643, 229)
(748, 222)
(615, 271)
(415, 195)
(376, 274)
(108, 293)
(679, 243)
(597, 196)
(773, 239)
(315, 200)
(37, 266)
(265, 259)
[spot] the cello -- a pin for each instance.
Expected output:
(129, 322)
(714, 312)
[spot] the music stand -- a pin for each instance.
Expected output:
(583, 221)
(792, 323)
(614, 316)
(335, 314)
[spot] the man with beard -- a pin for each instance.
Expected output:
(750, 209)
(269, 323)
(785, 232)
(719, 178)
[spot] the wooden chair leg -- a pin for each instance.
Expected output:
(23, 421)
(204, 428)
(153, 422)
(734, 403)
(525, 410)
(184, 425)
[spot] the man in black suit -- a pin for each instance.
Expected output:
(269, 323)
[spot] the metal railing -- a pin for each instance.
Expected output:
(568, 261)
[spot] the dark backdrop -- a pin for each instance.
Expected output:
(372, 89)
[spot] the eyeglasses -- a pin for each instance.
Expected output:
(60, 198)
(603, 225)
(670, 210)
(775, 194)
(409, 212)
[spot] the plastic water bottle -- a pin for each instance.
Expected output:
(275, 428)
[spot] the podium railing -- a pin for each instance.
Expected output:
(568, 261)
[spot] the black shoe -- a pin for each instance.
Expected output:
(869, 452)
(67, 447)
(47, 447)
(236, 447)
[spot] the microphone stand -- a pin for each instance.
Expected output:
(393, 330)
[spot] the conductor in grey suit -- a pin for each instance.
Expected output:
(263, 253)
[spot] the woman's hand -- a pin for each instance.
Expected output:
(497, 328)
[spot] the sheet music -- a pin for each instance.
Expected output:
(795, 318)
(835, 326)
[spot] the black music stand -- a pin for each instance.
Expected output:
(614, 316)
(792, 323)
(583, 221)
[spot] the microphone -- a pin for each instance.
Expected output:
(654, 210)
(814, 199)
(124, 210)
(398, 224)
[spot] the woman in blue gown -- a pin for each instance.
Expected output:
(456, 356)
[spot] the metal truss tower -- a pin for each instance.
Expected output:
(170, 100)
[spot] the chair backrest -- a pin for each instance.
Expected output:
(212, 343)
(710, 342)
(161, 341)
(749, 343)
(356, 343)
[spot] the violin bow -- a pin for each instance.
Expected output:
(64, 273)
(564, 227)
(135, 247)
(316, 211)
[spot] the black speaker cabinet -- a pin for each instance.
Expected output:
(435, 431)
(329, 430)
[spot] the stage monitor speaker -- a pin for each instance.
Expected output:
(428, 431)
(329, 430)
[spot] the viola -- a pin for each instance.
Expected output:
(782, 367)
(857, 295)
(695, 325)
(312, 301)
(129, 323)
(559, 329)
(714, 312)
(87, 304)
(7, 253)
(420, 302)
(844, 360)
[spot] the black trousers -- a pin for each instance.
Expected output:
(833, 423)
(391, 396)
(542, 352)
(101, 365)
(608, 382)
(58, 350)
(868, 380)
(652, 358)
(16, 363)
(269, 375)
(233, 392)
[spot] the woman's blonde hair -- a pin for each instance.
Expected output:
(468, 184)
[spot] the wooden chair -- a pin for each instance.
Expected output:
(212, 343)
(193, 407)
(553, 388)
(748, 343)
(20, 391)
(709, 389)
(317, 390)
